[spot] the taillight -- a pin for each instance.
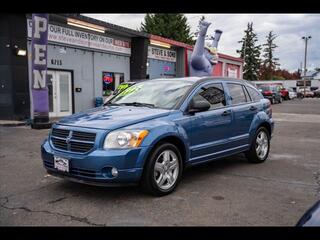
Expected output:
(269, 109)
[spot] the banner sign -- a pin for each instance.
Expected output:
(233, 73)
(84, 39)
(40, 98)
(162, 54)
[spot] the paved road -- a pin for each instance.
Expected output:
(222, 193)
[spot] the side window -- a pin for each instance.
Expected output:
(237, 93)
(247, 94)
(212, 93)
(255, 95)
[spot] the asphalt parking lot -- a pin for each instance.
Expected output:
(228, 192)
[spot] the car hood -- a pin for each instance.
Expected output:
(112, 117)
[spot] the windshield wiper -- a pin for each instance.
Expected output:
(138, 104)
(110, 104)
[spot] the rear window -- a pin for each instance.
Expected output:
(237, 93)
(265, 88)
(254, 94)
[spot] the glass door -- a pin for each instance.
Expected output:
(60, 93)
(64, 93)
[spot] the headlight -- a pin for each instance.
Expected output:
(125, 139)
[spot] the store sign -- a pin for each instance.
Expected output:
(83, 39)
(39, 39)
(162, 54)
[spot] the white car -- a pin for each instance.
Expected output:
(292, 93)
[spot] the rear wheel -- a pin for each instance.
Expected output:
(280, 100)
(163, 170)
(272, 100)
(260, 147)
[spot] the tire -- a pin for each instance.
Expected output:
(272, 101)
(151, 173)
(252, 154)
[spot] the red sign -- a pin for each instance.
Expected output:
(166, 68)
(121, 43)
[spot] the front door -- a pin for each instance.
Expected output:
(60, 93)
(210, 129)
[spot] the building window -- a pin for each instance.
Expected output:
(110, 82)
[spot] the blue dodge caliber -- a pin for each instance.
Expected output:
(150, 132)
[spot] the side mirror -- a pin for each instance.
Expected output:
(198, 106)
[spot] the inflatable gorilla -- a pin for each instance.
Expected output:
(203, 57)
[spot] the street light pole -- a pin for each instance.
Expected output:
(305, 62)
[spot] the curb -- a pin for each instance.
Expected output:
(13, 124)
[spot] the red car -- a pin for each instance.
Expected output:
(284, 93)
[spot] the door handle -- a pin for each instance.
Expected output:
(225, 113)
(253, 108)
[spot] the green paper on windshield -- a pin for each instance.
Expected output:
(130, 90)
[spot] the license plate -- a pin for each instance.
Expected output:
(62, 164)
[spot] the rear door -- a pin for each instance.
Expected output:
(244, 111)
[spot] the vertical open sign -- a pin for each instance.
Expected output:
(39, 42)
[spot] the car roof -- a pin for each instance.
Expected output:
(202, 79)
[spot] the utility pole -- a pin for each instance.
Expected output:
(305, 38)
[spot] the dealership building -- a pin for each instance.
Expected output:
(87, 58)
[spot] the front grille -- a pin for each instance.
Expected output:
(59, 143)
(73, 141)
(83, 136)
(60, 133)
(80, 146)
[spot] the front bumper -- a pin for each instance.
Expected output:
(92, 168)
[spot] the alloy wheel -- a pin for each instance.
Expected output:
(262, 144)
(166, 169)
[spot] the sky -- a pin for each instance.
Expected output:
(289, 28)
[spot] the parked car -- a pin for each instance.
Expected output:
(309, 94)
(292, 93)
(150, 132)
(284, 93)
(311, 218)
(316, 93)
(302, 94)
(271, 92)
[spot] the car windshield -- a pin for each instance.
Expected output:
(158, 94)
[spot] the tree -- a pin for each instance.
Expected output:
(250, 52)
(269, 62)
(172, 26)
(283, 74)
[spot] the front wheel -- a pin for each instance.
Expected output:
(260, 146)
(163, 170)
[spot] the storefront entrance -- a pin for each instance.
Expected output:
(60, 93)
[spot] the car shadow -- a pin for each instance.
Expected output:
(191, 175)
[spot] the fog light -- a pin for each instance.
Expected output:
(114, 172)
